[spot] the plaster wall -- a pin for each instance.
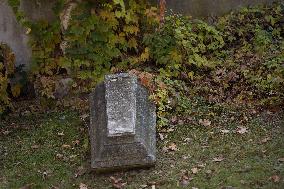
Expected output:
(13, 34)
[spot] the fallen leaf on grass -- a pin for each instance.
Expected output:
(180, 122)
(185, 157)
(59, 156)
(194, 170)
(66, 146)
(269, 112)
(60, 134)
(188, 140)
(208, 172)
(151, 184)
(275, 178)
(80, 171)
(170, 130)
(165, 149)
(265, 140)
(225, 131)
(84, 116)
(6, 132)
(201, 165)
(76, 142)
(143, 186)
(83, 186)
(281, 159)
(242, 130)
(117, 183)
(172, 147)
(184, 180)
(174, 120)
(205, 122)
(161, 136)
(242, 181)
(218, 159)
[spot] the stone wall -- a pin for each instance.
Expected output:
(14, 35)
(205, 8)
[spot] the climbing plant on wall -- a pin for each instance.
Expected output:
(7, 69)
(87, 40)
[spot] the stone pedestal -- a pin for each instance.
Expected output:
(123, 124)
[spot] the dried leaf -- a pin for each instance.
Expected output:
(59, 156)
(205, 122)
(242, 130)
(185, 157)
(218, 159)
(83, 186)
(161, 136)
(201, 165)
(225, 131)
(165, 149)
(76, 142)
(194, 170)
(84, 116)
(281, 159)
(80, 171)
(60, 134)
(275, 178)
(187, 140)
(208, 172)
(66, 146)
(265, 140)
(172, 147)
(143, 186)
(117, 182)
(185, 179)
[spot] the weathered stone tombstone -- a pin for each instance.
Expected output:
(123, 124)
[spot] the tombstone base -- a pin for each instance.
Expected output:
(126, 167)
(111, 149)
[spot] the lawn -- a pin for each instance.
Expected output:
(51, 150)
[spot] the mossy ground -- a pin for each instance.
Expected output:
(52, 151)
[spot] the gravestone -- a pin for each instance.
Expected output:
(123, 124)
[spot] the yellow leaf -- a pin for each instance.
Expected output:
(145, 55)
(132, 43)
(176, 56)
(131, 29)
(16, 90)
(190, 75)
(28, 31)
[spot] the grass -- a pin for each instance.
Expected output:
(52, 151)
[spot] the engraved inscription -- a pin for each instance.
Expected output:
(120, 104)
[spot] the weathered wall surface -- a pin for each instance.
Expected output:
(205, 8)
(13, 34)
